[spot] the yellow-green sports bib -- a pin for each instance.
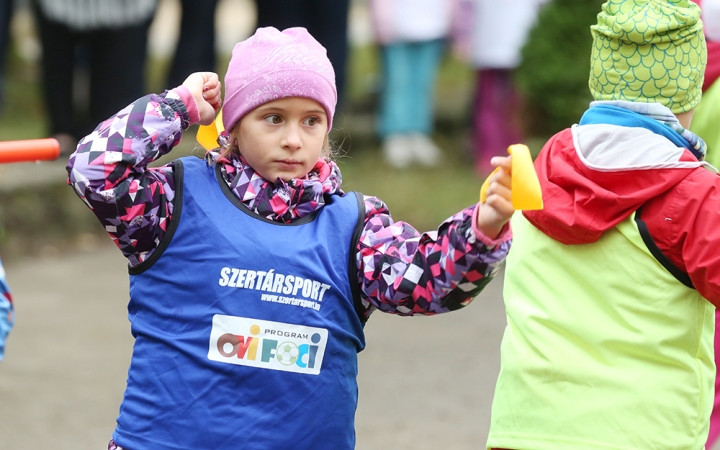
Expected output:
(706, 123)
(604, 348)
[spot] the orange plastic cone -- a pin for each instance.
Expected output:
(207, 135)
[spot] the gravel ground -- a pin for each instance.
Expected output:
(425, 383)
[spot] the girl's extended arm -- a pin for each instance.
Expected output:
(404, 272)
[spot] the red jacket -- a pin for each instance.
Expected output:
(594, 176)
(712, 71)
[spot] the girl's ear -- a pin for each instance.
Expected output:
(326, 150)
(229, 143)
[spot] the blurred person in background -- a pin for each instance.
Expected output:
(325, 20)
(6, 307)
(108, 36)
(195, 50)
(6, 10)
(706, 123)
(7, 317)
(496, 32)
(411, 35)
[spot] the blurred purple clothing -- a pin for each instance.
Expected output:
(492, 36)
(496, 122)
(714, 433)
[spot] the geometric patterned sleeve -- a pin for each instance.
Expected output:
(109, 172)
(407, 273)
(7, 317)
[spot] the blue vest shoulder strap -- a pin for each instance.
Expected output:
(179, 173)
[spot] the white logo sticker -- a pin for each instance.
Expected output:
(267, 345)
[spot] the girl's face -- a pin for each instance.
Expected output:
(282, 138)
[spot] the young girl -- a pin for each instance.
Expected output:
(251, 272)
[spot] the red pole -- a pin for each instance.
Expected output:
(28, 150)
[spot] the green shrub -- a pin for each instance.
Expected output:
(553, 75)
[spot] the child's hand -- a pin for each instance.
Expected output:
(205, 89)
(497, 209)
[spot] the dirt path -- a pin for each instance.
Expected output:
(425, 383)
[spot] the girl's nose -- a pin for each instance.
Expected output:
(292, 140)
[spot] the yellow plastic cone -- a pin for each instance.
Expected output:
(526, 192)
(207, 135)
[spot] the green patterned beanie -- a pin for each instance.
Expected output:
(650, 51)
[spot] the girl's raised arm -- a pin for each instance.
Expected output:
(109, 169)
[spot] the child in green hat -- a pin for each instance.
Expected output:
(611, 289)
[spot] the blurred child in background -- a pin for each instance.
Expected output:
(7, 315)
(496, 32)
(106, 40)
(325, 20)
(195, 48)
(412, 38)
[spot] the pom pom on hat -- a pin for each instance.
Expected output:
(270, 65)
(649, 51)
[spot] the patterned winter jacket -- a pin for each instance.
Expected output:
(442, 270)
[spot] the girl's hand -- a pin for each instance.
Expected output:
(205, 88)
(497, 209)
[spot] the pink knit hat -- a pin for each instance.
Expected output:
(271, 64)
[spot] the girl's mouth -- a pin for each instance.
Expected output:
(289, 162)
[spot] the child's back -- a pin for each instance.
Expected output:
(609, 339)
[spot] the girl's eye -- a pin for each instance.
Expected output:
(273, 119)
(312, 121)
